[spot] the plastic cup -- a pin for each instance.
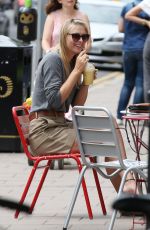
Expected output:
(88, 74)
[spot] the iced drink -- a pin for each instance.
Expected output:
(88, 74)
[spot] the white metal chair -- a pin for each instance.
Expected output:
(97, 135)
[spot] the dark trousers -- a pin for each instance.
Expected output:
(133, 69)
(146, 57)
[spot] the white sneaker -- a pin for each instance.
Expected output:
(119, 121)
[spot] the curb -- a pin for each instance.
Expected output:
(108, 77)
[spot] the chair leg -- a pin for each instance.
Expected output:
(87, 199)
(40, 186)
(28, 185)
(74, 197)
(115, 211)
(26, 188)
(113, 220)
(84, 187)
(99, 190)
(119, 193)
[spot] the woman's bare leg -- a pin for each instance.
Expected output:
(130, 185)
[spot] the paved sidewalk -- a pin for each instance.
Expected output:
(52, 205)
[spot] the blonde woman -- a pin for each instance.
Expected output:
(58, 86)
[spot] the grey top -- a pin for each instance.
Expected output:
(50, 76)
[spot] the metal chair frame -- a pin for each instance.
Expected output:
(21, 119)
(97, 136)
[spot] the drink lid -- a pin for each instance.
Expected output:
(28, 3)
(89, 66)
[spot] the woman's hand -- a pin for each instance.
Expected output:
(81, 61)
(95, 74)
(148, 23)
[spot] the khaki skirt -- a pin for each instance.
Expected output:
(51, 135)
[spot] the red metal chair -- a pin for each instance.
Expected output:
(21, 118)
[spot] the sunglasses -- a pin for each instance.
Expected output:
(76, 37)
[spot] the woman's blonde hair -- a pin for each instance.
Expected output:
(62, 40)
(54, 5)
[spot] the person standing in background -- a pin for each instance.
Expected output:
(133, 44)
(58, 11)
(133, 15)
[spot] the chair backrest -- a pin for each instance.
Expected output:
(21, 119)
(96, 132)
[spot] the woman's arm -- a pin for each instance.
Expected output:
(81, 95)
(74, 76)
(121, 25)
(47, 32)
(132, 16)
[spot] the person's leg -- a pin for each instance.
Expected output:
(138, 96)
(129, 81)
(146, 58)
(130, 185)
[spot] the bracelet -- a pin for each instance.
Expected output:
(144, 22)
(129, 179)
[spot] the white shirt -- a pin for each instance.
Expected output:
(145, 6)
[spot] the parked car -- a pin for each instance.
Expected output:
(4, 23)
(107, 41)
(6, 4)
